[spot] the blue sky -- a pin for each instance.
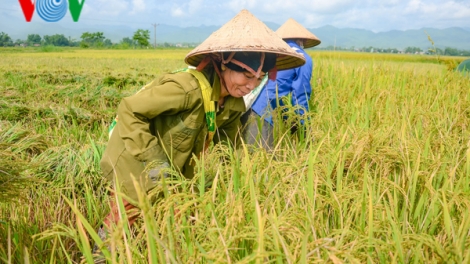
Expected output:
(375, 15)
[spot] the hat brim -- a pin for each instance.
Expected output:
(245, 32)
(284, 60)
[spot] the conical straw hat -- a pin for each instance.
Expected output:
(245, 32)
(293, 30)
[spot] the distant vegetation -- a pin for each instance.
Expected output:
(141, 39)
(407, 50)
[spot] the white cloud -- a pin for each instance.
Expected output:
(416, 6)
(103, 8)
(373, 15)
(195, 6)
(177, 12)
(436, 14)
(453, 10)
(330, 6)
(188, 10)
(137, 6)
(313, 19)
(238, 5)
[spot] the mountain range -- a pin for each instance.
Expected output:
(455, 37)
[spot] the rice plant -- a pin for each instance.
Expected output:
(381, 173)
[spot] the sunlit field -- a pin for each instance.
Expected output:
(381, 174)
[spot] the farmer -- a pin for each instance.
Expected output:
(294, 82)
(173, 119)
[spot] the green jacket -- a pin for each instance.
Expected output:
(165, 121)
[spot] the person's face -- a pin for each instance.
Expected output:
(240, 84)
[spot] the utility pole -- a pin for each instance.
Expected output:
(155, 35)
(334, 47)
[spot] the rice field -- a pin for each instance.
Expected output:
(381, 175)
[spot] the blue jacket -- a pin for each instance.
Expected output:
(295, 81)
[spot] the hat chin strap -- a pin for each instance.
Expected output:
(203, 63)
(272, 74)
(206, 61)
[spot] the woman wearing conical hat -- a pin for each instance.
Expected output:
(295, 81)
(175, 118)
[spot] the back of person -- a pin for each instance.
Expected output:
(292, 82)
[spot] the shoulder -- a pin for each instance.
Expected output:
(183, 79)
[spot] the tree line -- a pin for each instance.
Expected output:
(141, 38)
(408, 50)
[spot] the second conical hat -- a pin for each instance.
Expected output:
(293, 30)
(245, 32)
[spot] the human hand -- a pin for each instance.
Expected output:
(158, 169)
